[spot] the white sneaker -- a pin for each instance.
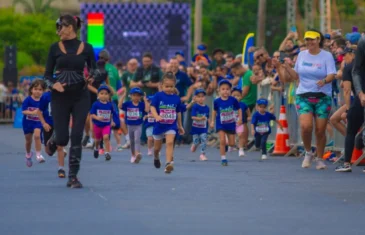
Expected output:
(263, 157)
(40, 159)
(65, 152)
(307, 162)
(320, 164)
(133, 159)
(89, 145)
(241, 153)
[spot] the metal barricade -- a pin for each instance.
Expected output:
(8, 106)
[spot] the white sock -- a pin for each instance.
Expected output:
(60, 168)
(223, 157)
(38, 153)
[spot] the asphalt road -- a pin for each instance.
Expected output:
(247, 197)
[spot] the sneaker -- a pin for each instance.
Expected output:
(224, 162)
(203, 157)
(28, 159)
(363, 170)
(193, 148)
(241, 153)
(126, 146)
(157, 163)
(119, 148)
(74, 183)
(108, 157)
(101, 151)
(330, 144)
(61, 173)
(89, 145)
(320, 164)
(96, 153)
(150, 152)
(263, 157)
(343, 168)
(133, 159)
(40, 159)
(138, 158)
(307, 162)
(85, 140)
(169, 168)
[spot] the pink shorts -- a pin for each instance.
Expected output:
(99, 132)
(239, 129)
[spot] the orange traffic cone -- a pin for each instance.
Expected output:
(356, 154)
(282, 136)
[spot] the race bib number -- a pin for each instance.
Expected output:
(228, 117)
(168, 116)
(133, 113)
(200, 124)
(262, 128)
(32, 117)
(105, 114)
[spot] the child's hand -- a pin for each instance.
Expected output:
(35, 112)
(158, 119)
(239, 122)
(99, 118)
(181, 130)
(46, 127)
(212, 125)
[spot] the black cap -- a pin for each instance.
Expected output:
(347, 50)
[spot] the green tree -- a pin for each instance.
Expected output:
(35, 6)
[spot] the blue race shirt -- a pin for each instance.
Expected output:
(243, 108)
(183, 82)
(102, 110)
(150, 121)
(199, 127)
(261, 122)
(226, 117)
(45, 107)
(29, 104)
(168, 107)
(133, 113)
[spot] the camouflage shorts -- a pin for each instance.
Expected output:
(319, 107)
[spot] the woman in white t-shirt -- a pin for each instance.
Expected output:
(315, 69)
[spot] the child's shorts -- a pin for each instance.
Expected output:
(149, 131)
(161, 136)
(240, 129)
(29, 128)
(99, 132)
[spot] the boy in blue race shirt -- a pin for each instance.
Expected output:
(45, 116)
(165, 108)
(200, 117)
(260, 126)
(224, 114)
(31, 123)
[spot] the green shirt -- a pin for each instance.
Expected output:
(147, 78)
(113, 76)
(127, 77)
(251, 97)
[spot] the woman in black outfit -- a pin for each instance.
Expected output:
(70, 96)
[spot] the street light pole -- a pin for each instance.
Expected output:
(261, 24)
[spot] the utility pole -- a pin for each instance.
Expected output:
(325, 15)
(198, 23)
(291, 14)
(261, 24)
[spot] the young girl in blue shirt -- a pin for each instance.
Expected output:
(134, 111)
(165, 108)
(224, 117)
(31, 123)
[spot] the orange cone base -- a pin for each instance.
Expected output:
(356, 154)
(281, 144)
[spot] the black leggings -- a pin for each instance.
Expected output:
(75, 101)
(260, 141)
(355, 119)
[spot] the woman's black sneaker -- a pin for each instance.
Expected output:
(74, 183)
(344, 168)
(157, 163)
(96, 153)
(61, 173)
(108, 157)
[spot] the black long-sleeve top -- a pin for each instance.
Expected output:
(358, 72)
(69, 67)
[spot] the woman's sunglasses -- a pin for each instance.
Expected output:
(59, 25)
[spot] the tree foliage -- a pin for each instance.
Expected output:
(31, 33)
(35, 6)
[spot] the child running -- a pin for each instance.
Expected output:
(241, 130)
(135, 110)
(101, 114)
(45, 117)
(165, 108)
(149, 123)
(260, 126)
(200, 117)
(225, 118)
(31, 123)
